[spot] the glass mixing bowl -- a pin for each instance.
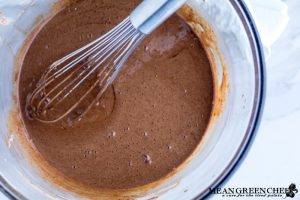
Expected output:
(226, 141)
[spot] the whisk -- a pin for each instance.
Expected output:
(73, 84)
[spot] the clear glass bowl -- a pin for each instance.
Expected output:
(226, 141)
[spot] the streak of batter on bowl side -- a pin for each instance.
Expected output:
(208, 39)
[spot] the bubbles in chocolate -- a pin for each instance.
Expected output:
(147, 159)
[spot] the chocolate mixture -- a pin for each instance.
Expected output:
(147, 123)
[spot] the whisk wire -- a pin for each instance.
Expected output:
(110, 79)
(73, 64)
(103, 57)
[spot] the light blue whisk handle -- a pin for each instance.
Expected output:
(152, 13)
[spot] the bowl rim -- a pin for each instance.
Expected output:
(248, 23)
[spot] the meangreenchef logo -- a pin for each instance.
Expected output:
(256, 192)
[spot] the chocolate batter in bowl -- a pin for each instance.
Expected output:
(151, 119)
(173, 124)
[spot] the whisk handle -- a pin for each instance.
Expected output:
(152, 13)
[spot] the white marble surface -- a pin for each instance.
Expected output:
(2, 197)
(273, 160)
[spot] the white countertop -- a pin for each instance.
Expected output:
(2, 196)
(273, 159)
